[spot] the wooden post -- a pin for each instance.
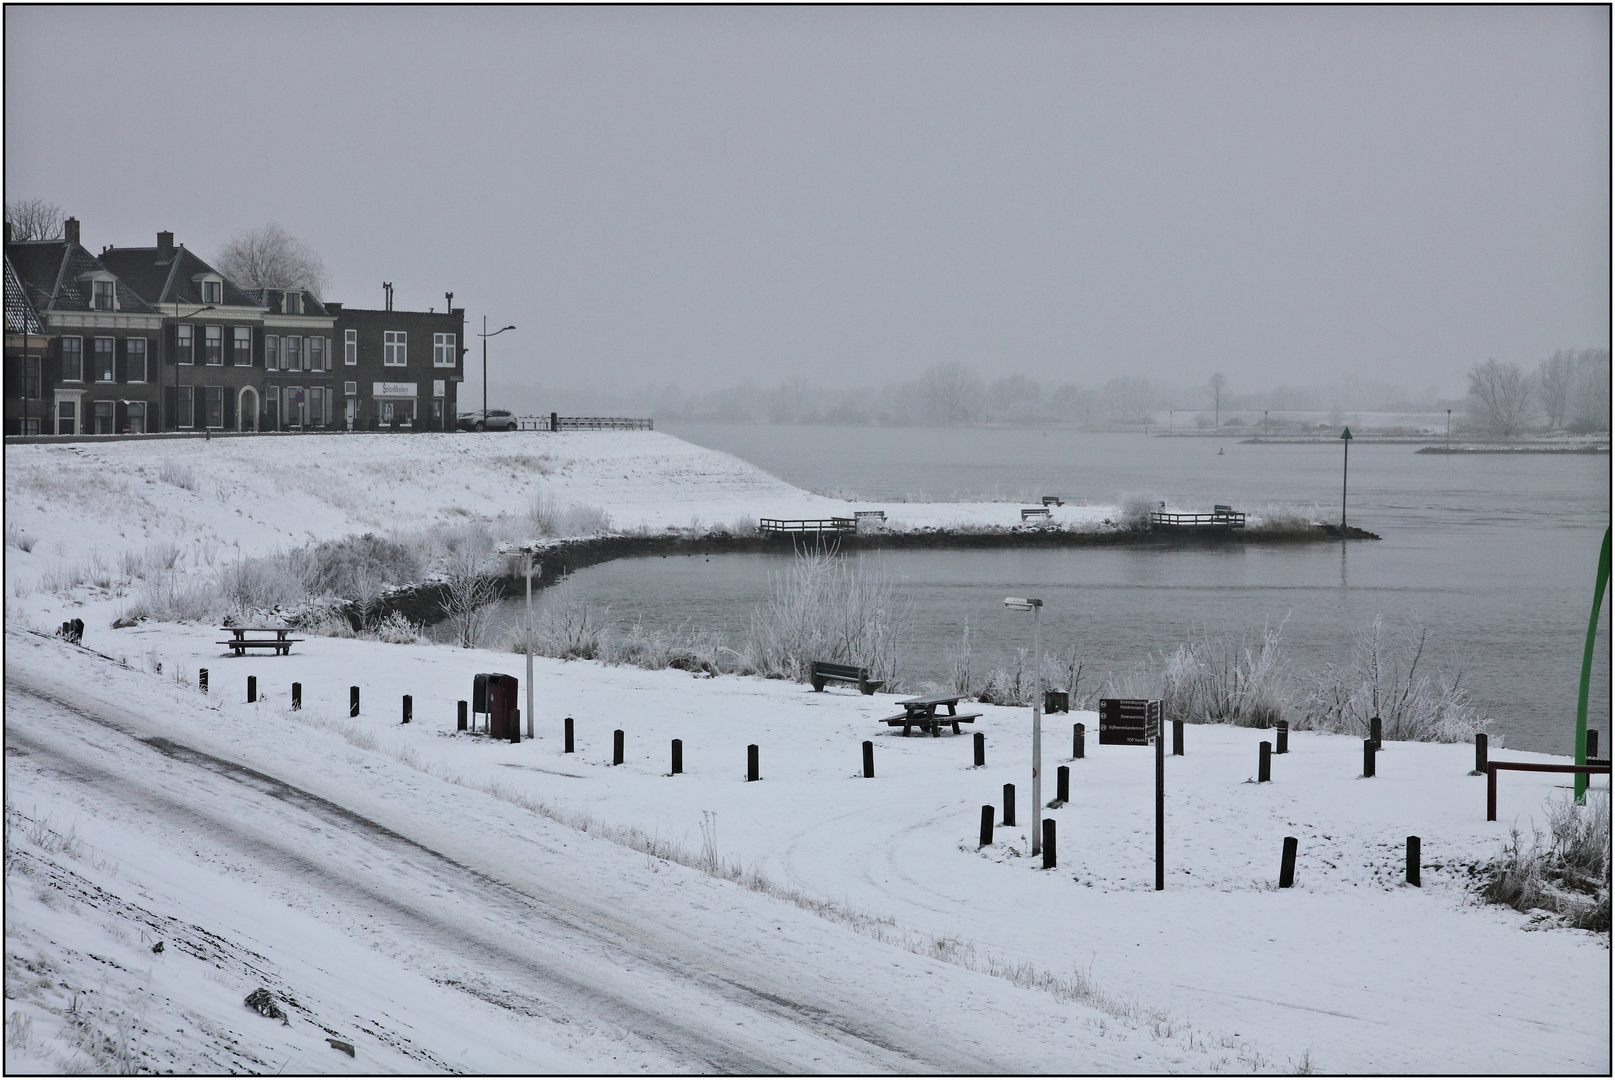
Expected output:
(1491, 793)
(1177, 738)
(1373, 733)
(201, 680)
(1076, 741)
(1480, 753)
(1160, 810)
(1287, 867)
(1062, 783)
(1368, 757)
(252, 688)
(1592, 743)
(1009, 805)
(981, 749)
(987, 813)
(515, 725)
(1264, 763)
(678, 756)
(751, 762)
(1413, 860)
(869, 759)
(460, 718)
(297, 695)
(568, 749)
(1284, 738)
(1048, 843)
(353, 701)
(616, 747)
(409, 707)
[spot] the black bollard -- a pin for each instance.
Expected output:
(1062, 784)
(987, 814)
(353, 701)
(1009, 805)
(1264, 763)
(1287, 867)
(460, 718)
(1413, 860)
(869, 759)
(616, 747)
(1373, 733)
(515, 725)
(1177, 738)
(201, 680)
(1480, 754)
(678, 756)
(297, 695)
(409, 707)
(1077, 733)
(252, 688)
(1284, 738)
(1592, 743)
(1368, 757)
(751, 762)
(981, 749)
(1048, 843)
(568, 749)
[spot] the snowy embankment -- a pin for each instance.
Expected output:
(864, 903)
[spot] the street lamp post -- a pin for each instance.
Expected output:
(1017, 603)
(485, 336)
(162, 410)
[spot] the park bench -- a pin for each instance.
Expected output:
(823, 673)
(239, 642)
(1041, 513)
(1052, 500)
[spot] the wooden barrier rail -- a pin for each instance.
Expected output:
(799, 526)
(1492, 768)
(1222, 519)
(553, 422)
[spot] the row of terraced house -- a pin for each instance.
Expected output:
(154, 339)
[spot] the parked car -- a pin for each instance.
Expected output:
(496, 420)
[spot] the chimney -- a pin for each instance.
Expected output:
(389, 287)
(70, 230)
(165, 247)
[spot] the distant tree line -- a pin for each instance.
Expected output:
(1568, 392)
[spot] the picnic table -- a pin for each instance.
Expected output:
(239, 642)
(921, 712)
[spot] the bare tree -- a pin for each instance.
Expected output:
(34, 219)
(469, 596)
(1219, 386)
(1589, 394)
(1501, 393)
(269, 257)
(951, 392)
(1554, 379)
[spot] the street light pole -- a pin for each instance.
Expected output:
(1035, 607)
(529, 637)
(485, 336)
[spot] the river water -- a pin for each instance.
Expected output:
(1494, 555)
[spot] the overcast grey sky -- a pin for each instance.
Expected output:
(1286, 195)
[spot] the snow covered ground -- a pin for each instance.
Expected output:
(447, 903)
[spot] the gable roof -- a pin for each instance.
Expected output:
(49, 272)
(21, 318)
(170, 281)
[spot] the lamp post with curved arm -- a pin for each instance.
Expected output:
(485, 336)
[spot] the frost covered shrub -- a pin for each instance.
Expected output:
(578, 519)
(181, 476)
(1385, 681)
(827, 608)
(470, 592)
(261, 584)
(1569, 876)
(397, 629)
(669, 647)
(566, 628)
(1136, 507)
(359, 567)
(1221, 680)
(173, 596)
(1010, 685)
(1282, 521)
(20, 538)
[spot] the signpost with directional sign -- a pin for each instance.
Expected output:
(1137, 722)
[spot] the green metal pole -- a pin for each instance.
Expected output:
(1587, 667)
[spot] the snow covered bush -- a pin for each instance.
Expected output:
(1385, 681)
(397, 629)
(566, 628)
(1569, 876)
(470, 593)
(261, 584)
(578, 519)
(829, 608)
(1282, 521)
(1221, 680)
(678, 647)
(19, 537)
(359, 567)
(181, 476)
(1010, 685)
(173, 596)
(1136, 507)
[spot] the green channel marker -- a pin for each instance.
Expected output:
(1587, 668)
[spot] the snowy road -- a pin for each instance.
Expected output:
(477, 905)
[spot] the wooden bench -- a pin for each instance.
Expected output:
(1039, 512)
(1052, 500)
(922, 713)
(824, 672)
(239, 642)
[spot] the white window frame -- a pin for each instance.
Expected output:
(184, 344)
(185, 406)
(208, 332)
(351, 389)
(350, 347)
(271, 352)
(129, 362)
(238, 334)
(315, 345)
(212, 291)
(79, 346)
(291, 303)
(112, 354)
(111, 294)
(445, 350)
(129, 408)
(395, 348)
(291, 356)
(208, 393)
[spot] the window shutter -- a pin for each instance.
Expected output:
(120, 364)
(170, 408)
(120, 417)
(229, 409)
(170, 346)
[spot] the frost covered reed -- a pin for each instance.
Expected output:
(827, 607)
(1569, 875)
(1225, 680)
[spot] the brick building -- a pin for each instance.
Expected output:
(400, 369)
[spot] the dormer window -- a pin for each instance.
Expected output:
(212, 292)
(105, 297)
(293, 304)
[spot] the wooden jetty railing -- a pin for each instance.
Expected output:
(556, 422)
(1223, 517)
(800, 526)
